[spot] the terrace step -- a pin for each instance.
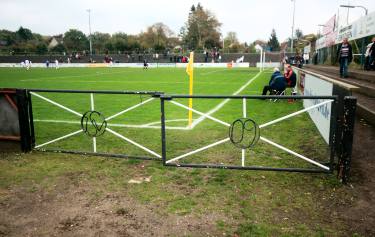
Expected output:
(361, 75)
(366, 89)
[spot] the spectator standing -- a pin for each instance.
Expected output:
(345, 57)
(372, 54)
(306, 58)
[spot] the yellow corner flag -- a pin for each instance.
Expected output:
(190, 72)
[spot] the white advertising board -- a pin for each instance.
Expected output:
(219, 65)
(321, 116)
(363, 27)
(269, 65)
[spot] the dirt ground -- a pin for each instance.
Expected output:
(360, 215)
(65, 210)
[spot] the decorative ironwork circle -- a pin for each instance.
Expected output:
(244, 133)
(93, 123)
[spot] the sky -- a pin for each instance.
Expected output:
(250, 19)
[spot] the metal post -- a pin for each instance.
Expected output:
(333, 134)
(261, 60)
(23, 118)
(89, 11)
(264, 59)
(347, 15)
(163, 146)
(363, 44)
(294, 11)
(345, 155)
(32, 131)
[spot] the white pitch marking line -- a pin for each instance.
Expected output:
(294, 153)
(198, 150)
(219, 106)
(203, 114)
(128, 109)
(92, 109)
(60, 138)
(57, 104)
(133, 142)
(206, 73)
(294, 114)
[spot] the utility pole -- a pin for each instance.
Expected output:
(89, 11)
(294, 11)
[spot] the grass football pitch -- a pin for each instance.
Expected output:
(250, 192)
(142, 124)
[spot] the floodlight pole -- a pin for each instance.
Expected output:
(294, 11)
(363, 38)
(89, 11)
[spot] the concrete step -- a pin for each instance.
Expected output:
(365, 93)
(361, 75)
(365, 87)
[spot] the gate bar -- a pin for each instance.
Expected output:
(302, 170)
(109, 155)
(155, 93)
(281, 97)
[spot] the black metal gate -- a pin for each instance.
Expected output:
(85, 118)
(244, 132)
(241, 135)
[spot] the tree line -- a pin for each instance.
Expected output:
(200, 32)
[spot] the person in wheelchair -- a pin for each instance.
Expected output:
(276, 85)
(290, 77)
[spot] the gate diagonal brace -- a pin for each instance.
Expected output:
(60, 138)
(57, 104)
(294, 153)
(294, 114)
(133, 142)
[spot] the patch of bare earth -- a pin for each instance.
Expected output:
(70, 210)
(359, 214)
